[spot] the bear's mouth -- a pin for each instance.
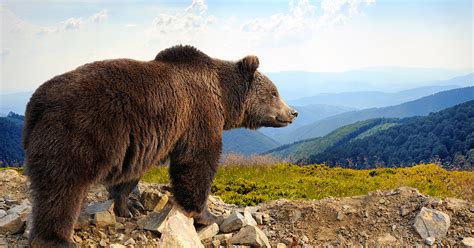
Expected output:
(283, 121)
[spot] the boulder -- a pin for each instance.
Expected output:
(155, 221)
(252, 236)
(431, 223)
(234, 222)
(11, 223)
(208, 232)
(179, 231)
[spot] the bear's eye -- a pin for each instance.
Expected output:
(274, 94)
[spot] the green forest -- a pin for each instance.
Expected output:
(446, 137)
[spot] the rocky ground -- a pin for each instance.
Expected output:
(399, 217)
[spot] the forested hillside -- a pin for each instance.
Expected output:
(419, 107)
(11, 149)
(300, 151)
(446, 137)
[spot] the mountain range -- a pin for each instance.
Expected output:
(419, 107)
(446, 137)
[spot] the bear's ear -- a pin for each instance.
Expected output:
(248, 65)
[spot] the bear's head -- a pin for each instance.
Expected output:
(264, 107)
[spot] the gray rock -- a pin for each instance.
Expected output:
(252, 236)
(248, 217)
(179, 231)
(429, 241)
(208, 232)
(23, 210)
(155, 221)
(233, 223)
(468, 242)
(258, 218)
(432, 223)
(11, 223)
(2, 213)
(103, 213)
(405, 210)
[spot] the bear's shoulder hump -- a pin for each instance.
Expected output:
(181, 53)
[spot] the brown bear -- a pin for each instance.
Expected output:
(110, 121)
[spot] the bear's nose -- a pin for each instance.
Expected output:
(294, 113)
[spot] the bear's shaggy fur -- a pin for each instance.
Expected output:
(109, 121)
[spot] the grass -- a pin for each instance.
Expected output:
(250, 185)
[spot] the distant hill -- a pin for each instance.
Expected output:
(300, 151)
(307, 115)
(446, 136)
(371, 99)
(419, 107)
(246, 142)
(11, 149)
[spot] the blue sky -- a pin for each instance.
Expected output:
(41, 39)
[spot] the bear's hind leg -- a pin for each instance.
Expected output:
(126, 199)
(191, 184)
(56, 206)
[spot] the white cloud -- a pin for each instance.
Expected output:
(100, 16)
(197, 6)
(72, 23)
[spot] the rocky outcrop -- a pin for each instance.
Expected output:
(396, 217)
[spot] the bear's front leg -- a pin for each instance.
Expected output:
(126, 199)
(191, 179)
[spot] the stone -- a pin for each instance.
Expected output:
(258, 218)
(130, 241)
(405, 210)
(161, 204)
(155, 221)
(429, 241)
(23, 210)
(431, 223)
(103, 219)
(2, 213)
(11, 223)
(150, 199)
(305, 238)
(281, 245)
(103, 213)
(3, 243)
(117, 246)
(179, 231)
(77, 239)
(120, 237)
(386, 239)
(100, 207)
(234, 222)
(340, 215)
(248, 217)
(223, 238)
(252, 236)
(468, 242)
(266, 218)
(208, 232)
